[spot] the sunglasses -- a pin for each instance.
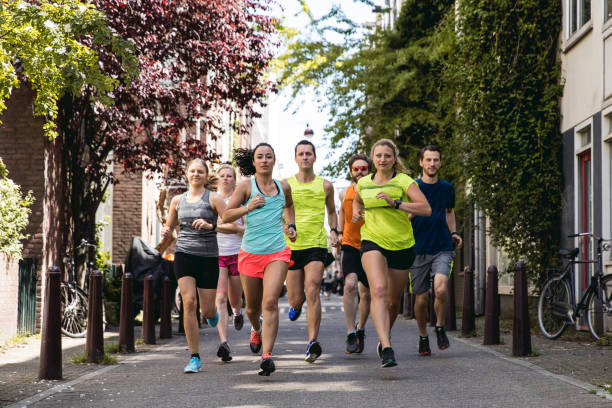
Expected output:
(362, 168)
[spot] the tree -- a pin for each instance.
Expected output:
(194, 58)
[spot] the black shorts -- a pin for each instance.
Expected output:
(303, 257)
(351, 263)
(400, 259)
(204, 269)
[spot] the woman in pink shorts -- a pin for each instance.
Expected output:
(229, 239)
(264, 255)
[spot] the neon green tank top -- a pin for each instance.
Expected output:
(309, 204)
(384, 225)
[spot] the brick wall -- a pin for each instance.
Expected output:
(22, 150)
(127, 214)
(9, 292)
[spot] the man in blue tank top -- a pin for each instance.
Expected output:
(436, 236)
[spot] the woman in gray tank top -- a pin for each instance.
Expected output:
(196, 259)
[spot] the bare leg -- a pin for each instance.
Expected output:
(274, 276)
(398, 278)
(441, 301)
(295, 288)
(188, 290)
(235, 293)
(350, 300)
(253, 292)
(364, 305)
(375, 266)
(420, 311)
(221, 303)
(314, 276)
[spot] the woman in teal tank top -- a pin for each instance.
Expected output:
(264, 256)
(386, 199)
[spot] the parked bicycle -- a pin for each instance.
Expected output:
(557, 307)
(74, 298)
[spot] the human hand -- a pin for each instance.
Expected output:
(384, 196)
(291, 233)
(457, 241)
(357, 216)
(256, 202)
(166, 231)
(200, 224)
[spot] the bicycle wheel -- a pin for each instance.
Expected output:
(599, 312)
(553, 306)
(74, 311)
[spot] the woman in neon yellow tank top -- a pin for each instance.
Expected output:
(386, 199)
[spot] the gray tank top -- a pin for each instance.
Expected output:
(190, 240)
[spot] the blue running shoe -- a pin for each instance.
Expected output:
(313, 351)
(194, 365)
(213, 322)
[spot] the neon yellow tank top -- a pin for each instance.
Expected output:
(309, 204)
(384, 225)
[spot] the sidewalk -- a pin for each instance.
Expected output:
(467, 374)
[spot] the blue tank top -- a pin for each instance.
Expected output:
(264, 226)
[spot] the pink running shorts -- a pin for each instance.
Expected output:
(254, 264)
(231, 263)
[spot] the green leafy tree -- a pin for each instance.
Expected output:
(14, 212)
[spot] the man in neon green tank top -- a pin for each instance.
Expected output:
(312, 196)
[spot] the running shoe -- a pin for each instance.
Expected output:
(224, 352)
(313, 351)
(294, 314)
(443, 342)
(360, 340)
(238, 321)
(213, 322)
(267, 365)
(388, 357)
(424, 349)
(194, 365)
(351, 343)
(255, 342)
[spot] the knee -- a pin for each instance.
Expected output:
(269, 305)
(312, 291)
(350, 288)
(190, 303)
(378, 291)
(252, 310)
(441, 293)
(221, 297)
(421, 299)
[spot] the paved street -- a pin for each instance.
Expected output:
(466, 375)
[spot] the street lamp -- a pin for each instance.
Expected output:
(308, 133)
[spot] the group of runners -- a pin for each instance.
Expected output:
(264, 233)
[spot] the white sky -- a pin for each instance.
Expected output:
(286, 128)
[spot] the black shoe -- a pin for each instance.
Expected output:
(360, 340)
(238, 321)
(443, 343)
(424, 349)
(351, 344)
(224, 352)
(388, 357)
(267, 365)
(313, 351)
(379, 350)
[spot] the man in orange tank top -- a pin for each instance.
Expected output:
(354, 276)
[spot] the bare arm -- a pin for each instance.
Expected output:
(341, 215)
(233, 209)
(452, 227)
(417, 205)
(332, 216)
(172, 218)
(358, 209)
(289, 212)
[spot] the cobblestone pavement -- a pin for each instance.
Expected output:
(466, 375)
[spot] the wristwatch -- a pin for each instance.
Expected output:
(334, 230)
(292, 226)
(455, 233)
(397, 203)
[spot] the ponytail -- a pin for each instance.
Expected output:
(243, 159)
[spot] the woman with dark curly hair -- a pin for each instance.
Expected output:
(264, 255)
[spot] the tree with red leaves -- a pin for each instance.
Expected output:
(195, 57)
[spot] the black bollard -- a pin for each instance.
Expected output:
(95, 329)
(521, 331)
(491, 331)
(468, 320)
(165, 327)
(126, 321)
(433, 319)
(148, 311)
(50, 365)
(451, 319)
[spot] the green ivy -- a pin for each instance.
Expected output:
(14, 211)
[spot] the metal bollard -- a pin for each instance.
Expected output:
(521, 331)
(95, 330)
(126, 321)
(148, 311)
(50, 366)
(433, 319)
(491, 332)
(451, 319)
(165, 327)
(468, 320)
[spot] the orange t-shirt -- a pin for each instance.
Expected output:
(352, 232)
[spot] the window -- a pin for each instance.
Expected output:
(607, 10)
(579, 12)
(584, 136)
